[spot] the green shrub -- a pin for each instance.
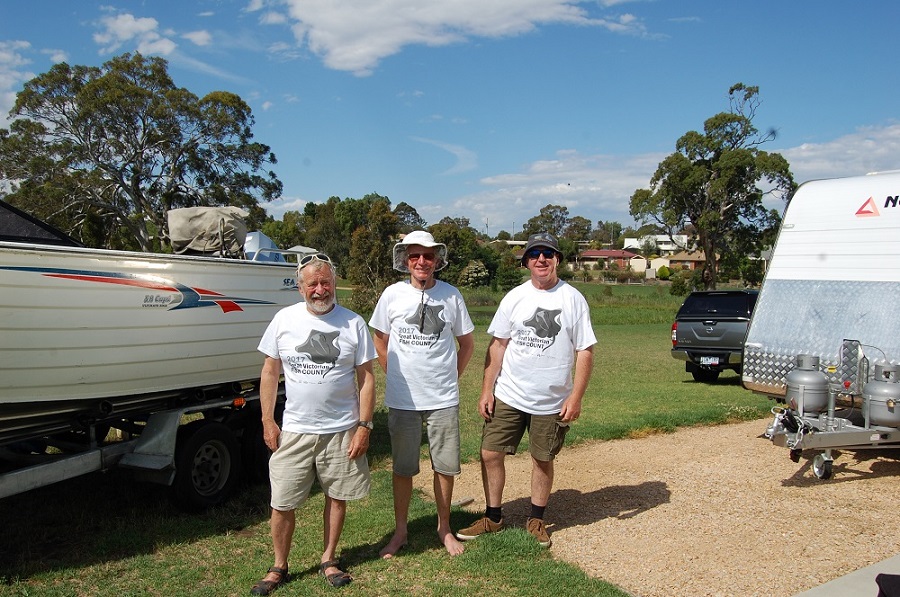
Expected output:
(475, 274)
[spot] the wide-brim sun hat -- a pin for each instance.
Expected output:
(423, 239)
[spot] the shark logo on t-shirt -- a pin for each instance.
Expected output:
(322, 348)
(545, 323)
(428, 322)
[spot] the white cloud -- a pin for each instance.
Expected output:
(121, 28)
(466, 159)
(200, 38)
(869, 149)
(272, 18)
(278, 207)
(591, 186)
(160, 46)
(354, 35)
(56, 56)
(12, 74)
(255, 5)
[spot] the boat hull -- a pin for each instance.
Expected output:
(80, 324)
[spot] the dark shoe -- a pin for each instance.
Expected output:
(481, 526)
(338, 579)
(538, 530)
(265, 587)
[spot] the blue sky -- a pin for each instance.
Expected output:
(492, 109)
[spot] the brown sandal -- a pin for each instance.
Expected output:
(338, 579)
(265, 587)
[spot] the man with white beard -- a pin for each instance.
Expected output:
(325, 352)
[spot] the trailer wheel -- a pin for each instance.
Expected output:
(822, 467)
(207, 465)
(705, 375)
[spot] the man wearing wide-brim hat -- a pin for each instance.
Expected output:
(418, 324)
(540, 332)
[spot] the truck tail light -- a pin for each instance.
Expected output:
(674, 333)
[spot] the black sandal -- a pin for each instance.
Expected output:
(338, 579)
(265, 587)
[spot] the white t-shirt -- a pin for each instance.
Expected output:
(544, 328)
(421, 355)
(319, 355)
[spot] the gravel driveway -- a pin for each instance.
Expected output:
(708, 511)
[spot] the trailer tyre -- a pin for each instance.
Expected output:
(207, 465)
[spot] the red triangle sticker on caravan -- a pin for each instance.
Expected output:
(868, 209)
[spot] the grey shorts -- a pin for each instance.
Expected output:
(546, 433)
(442, 428)
(302, 457)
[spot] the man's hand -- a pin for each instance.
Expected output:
(359, 445)
(486, 406)
(571, 410)
(271, 433)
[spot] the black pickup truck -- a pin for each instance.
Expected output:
(709, 331)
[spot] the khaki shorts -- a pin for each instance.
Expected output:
(442, 428)
(303, 457)
(546, 433)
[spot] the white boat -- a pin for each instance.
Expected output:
(85, 330)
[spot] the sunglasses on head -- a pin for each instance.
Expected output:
(307, 259)
(535, 253)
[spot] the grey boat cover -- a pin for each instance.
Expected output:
(208, 230)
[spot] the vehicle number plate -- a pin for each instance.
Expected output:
(709, 360)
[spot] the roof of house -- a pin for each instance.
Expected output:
(608, 254)
(685, 256)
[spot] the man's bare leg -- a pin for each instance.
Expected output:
(541, 481)
(402, 495)
(443, 495)
(282, 528)
(333, 517)
(493, 477)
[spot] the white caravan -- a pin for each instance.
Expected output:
(824, 334)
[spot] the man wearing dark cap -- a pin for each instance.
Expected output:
(541, 330)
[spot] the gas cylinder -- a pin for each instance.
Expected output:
(881, 397)
(807, 387)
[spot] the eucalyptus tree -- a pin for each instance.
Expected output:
(409, 218)
(552, 218)
(124, 144)
(716, 181)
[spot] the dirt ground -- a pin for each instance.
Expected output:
(708, 511)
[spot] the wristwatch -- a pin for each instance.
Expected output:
(367, 424)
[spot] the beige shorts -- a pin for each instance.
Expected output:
(303, 457)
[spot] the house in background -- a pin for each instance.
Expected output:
(691, 261)
(663, 243)
(603, 258)
(637, 264)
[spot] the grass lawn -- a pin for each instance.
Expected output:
(102, 534)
